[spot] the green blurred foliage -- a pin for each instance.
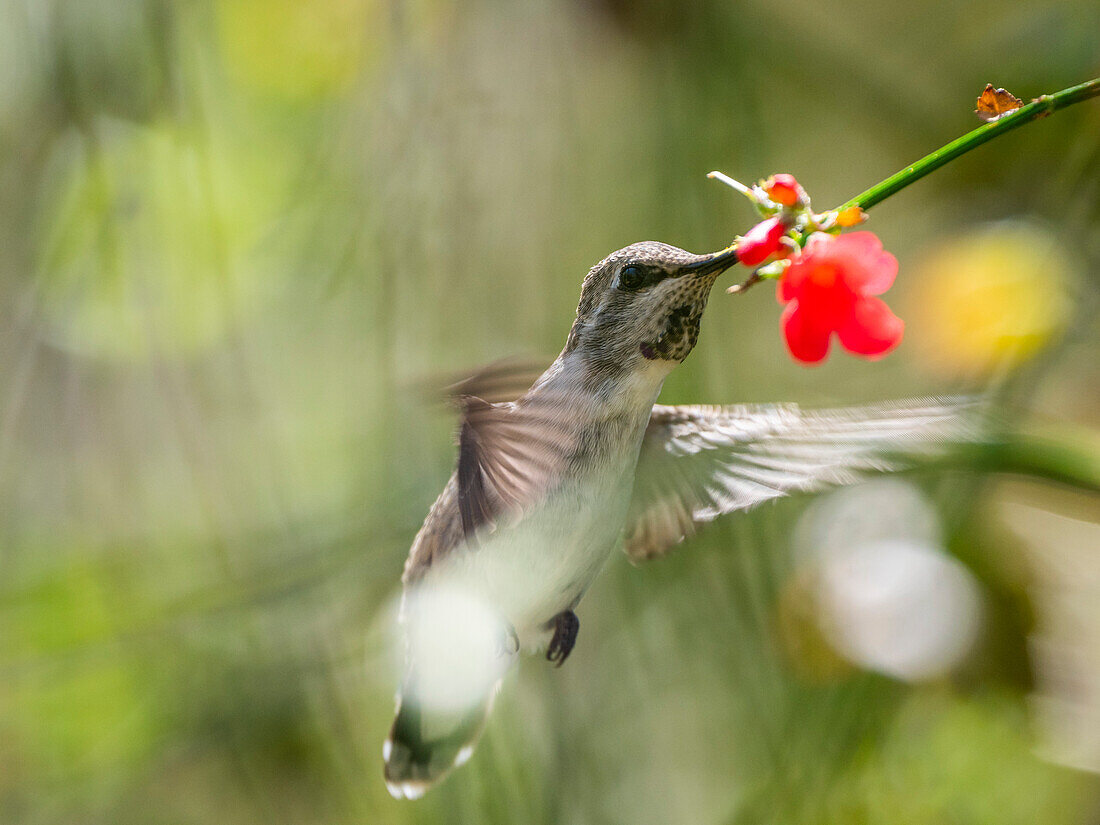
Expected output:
(239, 238)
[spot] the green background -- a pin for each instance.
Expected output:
(240, 240)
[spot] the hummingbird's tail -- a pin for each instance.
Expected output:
(426, 743)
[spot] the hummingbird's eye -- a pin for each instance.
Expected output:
(631, 277)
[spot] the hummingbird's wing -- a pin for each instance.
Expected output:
(510, 456)
(701, 462)
(503, 380)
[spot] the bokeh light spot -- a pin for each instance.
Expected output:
(144, 250)
(294, 50)
(991, 299)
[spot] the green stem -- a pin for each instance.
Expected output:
(1065, 459)
(1038, 108)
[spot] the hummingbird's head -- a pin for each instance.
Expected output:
(643, 304)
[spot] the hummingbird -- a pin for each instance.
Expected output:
(546, 486)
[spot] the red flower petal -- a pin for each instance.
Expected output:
(785, 290)
(858, 258)
(868, 268)
(807, 341)
(793, 279)
(829, 287)
(802, 267)
(871, 329)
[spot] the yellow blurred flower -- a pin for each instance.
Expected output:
(990, 299)
(298, 50)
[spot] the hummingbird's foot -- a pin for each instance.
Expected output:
(566, 626)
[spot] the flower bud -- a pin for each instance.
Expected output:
(852, 216)
(785, 190)
(761, 242)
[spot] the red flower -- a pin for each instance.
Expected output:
(761, 242)
(829, 288)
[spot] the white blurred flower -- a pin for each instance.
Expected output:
(886, 508)
(887, 597)
(899, 607)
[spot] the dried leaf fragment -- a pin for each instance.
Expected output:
(996, 103)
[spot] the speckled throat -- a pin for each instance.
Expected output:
(679, 329)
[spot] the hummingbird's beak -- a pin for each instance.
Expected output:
(712, 264)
